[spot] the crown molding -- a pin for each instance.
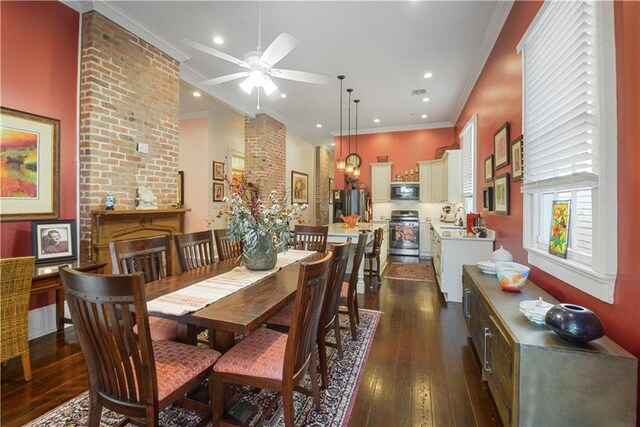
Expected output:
(78, 6)
(498, 18)
(436, 125)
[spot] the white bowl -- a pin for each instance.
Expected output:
(511, 275)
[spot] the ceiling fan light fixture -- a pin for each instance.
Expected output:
(256, 78)
(246, 85)
(268, 86)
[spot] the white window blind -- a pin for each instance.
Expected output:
(468, 142)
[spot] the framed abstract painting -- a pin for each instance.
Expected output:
(501, 194)
(29, 171)
(501, 146)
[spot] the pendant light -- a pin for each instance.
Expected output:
(356, 168)
(340, 164)
(349, 166)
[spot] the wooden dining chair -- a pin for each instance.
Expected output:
(329, 319)
(348, 297)
(15, 291)
(271, 359)
(375, 254)
(128, 372)
(150, 256)
(311, 237)
(194, 250)
(226, 248)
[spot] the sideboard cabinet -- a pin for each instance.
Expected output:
(537, 378)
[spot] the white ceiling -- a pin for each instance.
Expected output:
(383, 48)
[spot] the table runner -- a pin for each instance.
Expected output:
(208, 291)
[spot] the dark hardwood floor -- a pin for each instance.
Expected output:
(420, 371)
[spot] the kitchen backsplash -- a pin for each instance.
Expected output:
(382, 211)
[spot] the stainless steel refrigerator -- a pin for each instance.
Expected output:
(351, 202)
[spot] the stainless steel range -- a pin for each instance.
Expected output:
(404, 233)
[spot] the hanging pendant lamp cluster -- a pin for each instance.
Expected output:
(345, 166)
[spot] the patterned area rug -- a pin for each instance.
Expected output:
(337, 400)
(414, 272)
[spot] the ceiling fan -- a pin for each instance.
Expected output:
(259, 64)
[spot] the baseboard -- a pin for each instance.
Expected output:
(42, 321)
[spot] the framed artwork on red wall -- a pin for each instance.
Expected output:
(29, 174)
(501, 146)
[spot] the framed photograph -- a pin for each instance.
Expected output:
(53, 240)
(218, 171)
(559, 233)
(331, 191)
(218, 191)
(487, 198)
(52, 268)
(501, 146)
(299, 187)
(180, 190)
(516, 159)
(488, 168)
(501, 194)
(29, 174)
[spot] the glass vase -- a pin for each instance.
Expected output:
(264, 256)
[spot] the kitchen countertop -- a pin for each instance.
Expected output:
(338, 230)
(445, 232)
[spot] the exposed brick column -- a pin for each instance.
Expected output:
(324, 171)
(129, 93)
(265, 153)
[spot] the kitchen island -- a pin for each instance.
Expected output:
(338, 234)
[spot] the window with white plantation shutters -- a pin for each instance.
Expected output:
(468, 147)
(570, 147)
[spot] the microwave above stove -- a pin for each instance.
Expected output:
(405, 191)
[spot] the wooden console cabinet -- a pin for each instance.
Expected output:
(537, 378)
(122, 225)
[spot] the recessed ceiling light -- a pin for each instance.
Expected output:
(218, 40)
(424, 116)
(333, 144)
(319, 125)
(428, 75)
(425, 100)
(283, 95)
(197, 94)
(376, 120)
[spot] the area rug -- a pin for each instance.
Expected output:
(337, 400)
(413, 272)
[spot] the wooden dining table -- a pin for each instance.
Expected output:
(238, 313)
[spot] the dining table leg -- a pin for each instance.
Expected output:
(224, 341)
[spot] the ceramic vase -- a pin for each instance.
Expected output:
(574, 323)
(264, 257)
(501, 255)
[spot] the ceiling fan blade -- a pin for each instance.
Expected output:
(278, 49)
(300, 76)
(227, 78)
(215, 52)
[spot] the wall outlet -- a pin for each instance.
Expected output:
(142, 147)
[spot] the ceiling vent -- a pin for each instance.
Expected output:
(418, 92)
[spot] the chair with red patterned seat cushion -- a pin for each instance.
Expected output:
(128, 373)
(271, 359)
(329, 319)
(348, 297)
(152, 257)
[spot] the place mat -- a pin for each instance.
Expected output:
(208, 291)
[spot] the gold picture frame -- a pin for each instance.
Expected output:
(299, 187)
(501, 147)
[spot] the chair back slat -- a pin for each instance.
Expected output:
(311, 238)
(337, 269)
(194, 250)
(312, 281)
(119, 361)
(151, 256)
(15, 289)
(226, 248)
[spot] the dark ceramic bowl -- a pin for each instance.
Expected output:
(574, 323)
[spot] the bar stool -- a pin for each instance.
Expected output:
(375, 253)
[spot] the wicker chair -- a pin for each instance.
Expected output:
(15, 288)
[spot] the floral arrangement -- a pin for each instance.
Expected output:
(251, 216)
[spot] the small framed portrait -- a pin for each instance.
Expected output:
(299, 187)
(53, 240)
(501, 146)
(218, 171)
(487, 198)
(330, 191)
(218, 191)
(501, 194)
(488, 169)
(516, 159)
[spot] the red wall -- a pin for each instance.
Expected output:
(403, 148)
(497, 97)
(39, 67)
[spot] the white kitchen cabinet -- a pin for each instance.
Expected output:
(441, 180)
(452, 171)
(425, 239)
(437, 182)
(381, 182)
